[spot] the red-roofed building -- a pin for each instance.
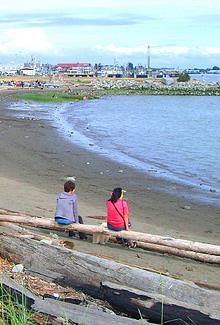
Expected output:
(75, 69)
(73, 65)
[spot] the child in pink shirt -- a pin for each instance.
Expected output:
(117, 211)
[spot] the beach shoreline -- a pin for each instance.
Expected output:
(35, 160)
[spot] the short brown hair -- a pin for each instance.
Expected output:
(69, 186)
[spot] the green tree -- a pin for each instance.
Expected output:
(130, 66)
(215, 68)
(183, 77)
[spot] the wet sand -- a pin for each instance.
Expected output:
(35, 160)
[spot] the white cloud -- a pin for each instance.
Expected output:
(157, 50)
(170, 50)
(122, 50)
(56, 5)
(25, 40)
(213, 50)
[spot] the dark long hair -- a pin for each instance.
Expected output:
(116, 194)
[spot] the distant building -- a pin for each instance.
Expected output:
(75, 69)
(27, 71)
(8, 71)
(110, 71)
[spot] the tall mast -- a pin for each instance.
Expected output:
(148, 57)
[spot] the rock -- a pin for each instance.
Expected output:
(46, 241)
(18, 268)
(54, 235)
(186, 207)
(70, 178)
(213, 190)
(167, 81)
(56, 295)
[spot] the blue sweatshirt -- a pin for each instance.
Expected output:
(67, 207)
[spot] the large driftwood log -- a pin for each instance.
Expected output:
(130, 300)
(131, 235)
(17, 230)
(85, 272)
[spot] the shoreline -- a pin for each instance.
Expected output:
(35, 160)
(98, 87)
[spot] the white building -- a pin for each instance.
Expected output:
(27, 71)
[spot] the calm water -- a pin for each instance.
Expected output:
(172, 137)
(206, 77)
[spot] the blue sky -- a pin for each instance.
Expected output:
(180, 33)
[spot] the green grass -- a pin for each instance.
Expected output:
(51, 97)
(12, 312)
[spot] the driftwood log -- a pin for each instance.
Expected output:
(66, 311)
(85, 272)
(132, 235)
(131, 299)
(18, 231)
(215, 259)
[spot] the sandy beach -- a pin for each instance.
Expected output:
(34, 162)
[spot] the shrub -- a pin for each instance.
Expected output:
(183, 77)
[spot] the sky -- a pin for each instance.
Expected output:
(181, 34)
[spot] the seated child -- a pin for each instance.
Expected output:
(67, 208)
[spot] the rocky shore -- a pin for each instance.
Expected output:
(167, 86)
(114, 86)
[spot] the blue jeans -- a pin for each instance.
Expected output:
(62, 221)
(110, 227)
